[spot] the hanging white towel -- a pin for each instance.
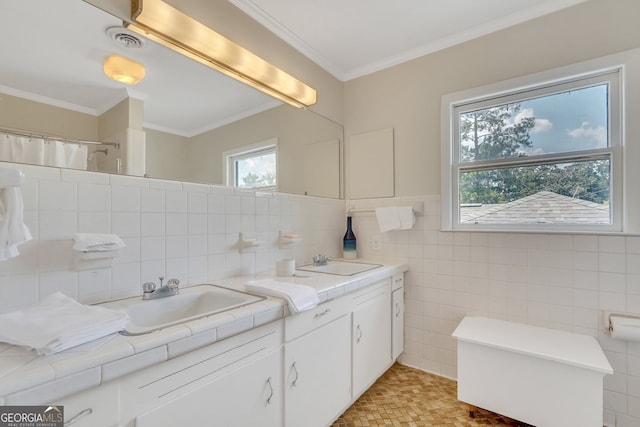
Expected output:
(58, 323)
(407, 217)
(13, 230)
(95, 242)
(299, 297)
(388, 218)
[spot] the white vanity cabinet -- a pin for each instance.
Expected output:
(317, 365)
(397, 313)
(371, 338)
(250, 396)
(96, 407)
(233, 383)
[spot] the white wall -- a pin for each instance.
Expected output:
(171, 229)
(558, 280)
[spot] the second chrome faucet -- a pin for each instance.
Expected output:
(151, 291)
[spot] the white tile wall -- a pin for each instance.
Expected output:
(560, 281)
(190, 231)
(171, 229)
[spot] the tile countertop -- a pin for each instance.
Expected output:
(29, 379)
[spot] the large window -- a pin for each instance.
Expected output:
(252, 166)
(541, 156)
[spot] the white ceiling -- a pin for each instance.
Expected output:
(51, 55)
(351, 38)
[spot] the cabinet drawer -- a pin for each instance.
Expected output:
(370, 292)
(156, 385)
(302, 323)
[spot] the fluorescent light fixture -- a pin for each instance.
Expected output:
(123, 70)
(166, 25)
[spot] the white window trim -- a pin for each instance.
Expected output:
(626, 200)
(228, 166)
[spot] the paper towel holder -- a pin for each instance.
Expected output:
(609, 314)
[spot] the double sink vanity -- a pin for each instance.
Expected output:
(216, 355)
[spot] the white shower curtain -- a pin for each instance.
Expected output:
(37, 151)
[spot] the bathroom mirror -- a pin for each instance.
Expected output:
(52, 84)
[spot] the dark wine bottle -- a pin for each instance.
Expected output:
(349, 242)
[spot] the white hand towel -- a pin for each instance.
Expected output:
(58, 323)
(407, 217)
(13, 230)
(299, 297)
(388, 218)
(96, 242)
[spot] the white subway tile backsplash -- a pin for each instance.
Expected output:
(176, 201)
(94, 222)
(57, 225)
(94, 198)
(152, 200)
(58, 196)
(125, 224)
(615, 244)
(152, 248)
(125, 199)
(197, 201)
(176, 224)
(153, 224)
(177, 246)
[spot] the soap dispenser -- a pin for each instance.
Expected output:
(349, 242)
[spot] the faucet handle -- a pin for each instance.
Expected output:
(173, 283)
(148, 287)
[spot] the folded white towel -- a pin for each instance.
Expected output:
(407, 217)
(13, 230)
(388, 218)
(58, 323)
(299, 297)
(89, 242)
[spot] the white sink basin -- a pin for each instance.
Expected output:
(340, 268)
(191, 303)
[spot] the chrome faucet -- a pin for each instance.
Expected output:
(320, 260)
(149, 290)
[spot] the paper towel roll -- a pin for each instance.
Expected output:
(624, 327)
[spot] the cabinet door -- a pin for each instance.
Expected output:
(318, 375)
(397, 333)
(249, 396)
(371, 338)
(97, 407)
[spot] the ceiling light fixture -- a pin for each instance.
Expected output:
(168, 26)
(123, 70)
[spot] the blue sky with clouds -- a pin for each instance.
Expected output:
(568, 121)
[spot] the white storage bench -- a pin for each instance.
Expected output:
(539, 376)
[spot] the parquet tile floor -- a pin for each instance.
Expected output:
(409, 397)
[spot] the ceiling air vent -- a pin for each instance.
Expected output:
(124, 37)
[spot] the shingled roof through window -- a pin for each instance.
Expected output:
(544, 207)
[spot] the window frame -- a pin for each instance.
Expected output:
(230, 157)
(547, 83)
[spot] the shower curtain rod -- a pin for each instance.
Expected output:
(16, 132)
